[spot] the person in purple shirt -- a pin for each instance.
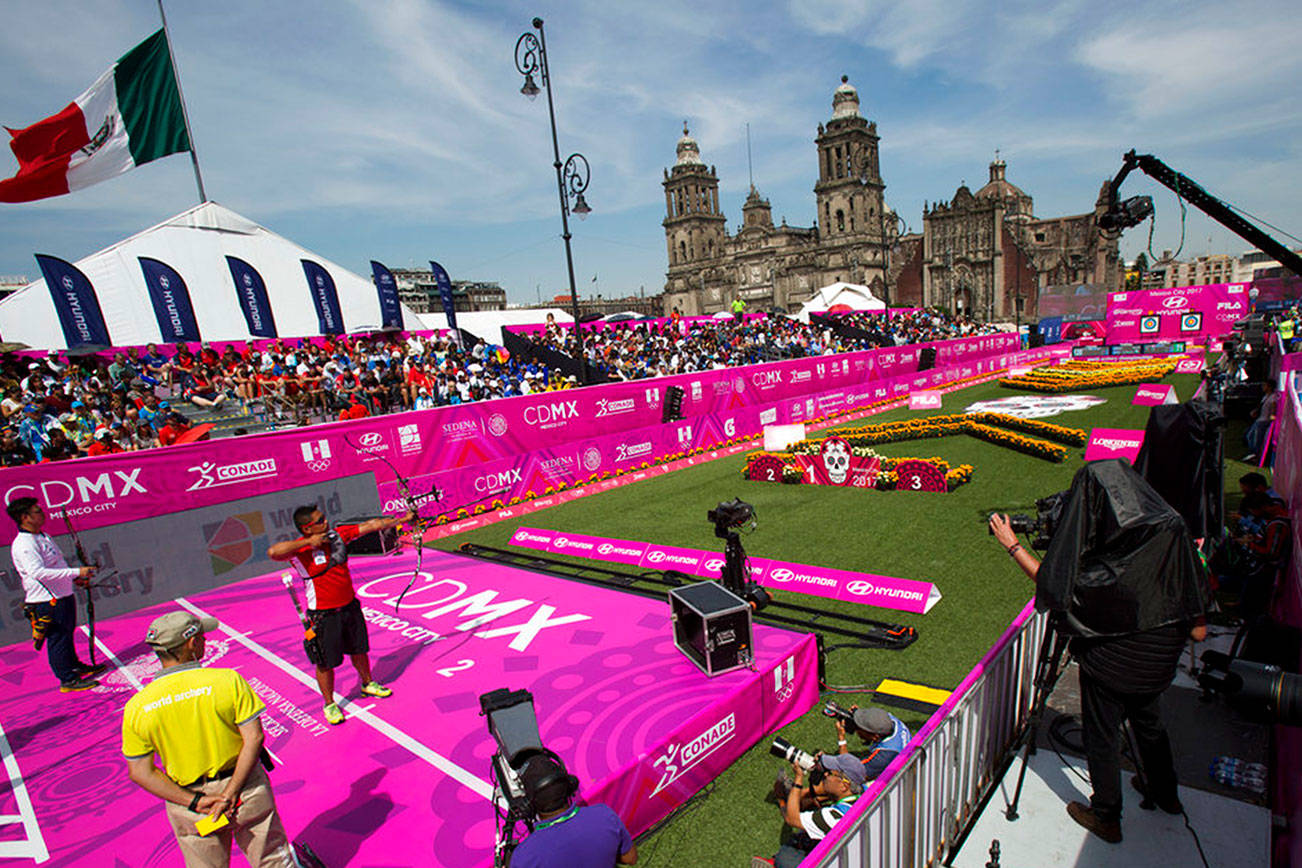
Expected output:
(567, 835)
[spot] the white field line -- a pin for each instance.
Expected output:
(440, 762)
(130, 676)
(34, 847)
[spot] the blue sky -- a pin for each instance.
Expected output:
(396, 130)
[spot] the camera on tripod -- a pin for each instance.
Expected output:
(730, 515)
(1048, 510)
(783, 749)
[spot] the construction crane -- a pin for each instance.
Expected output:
(1122, 215)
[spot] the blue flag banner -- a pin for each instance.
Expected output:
(445, 293)
(171, 300)
(387, 288)
(252, 294)
(330, 320)
(75, 302)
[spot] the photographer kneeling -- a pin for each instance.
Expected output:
(881, 731)
(1122, 575)
(832, 794)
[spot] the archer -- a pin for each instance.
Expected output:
(321, 555)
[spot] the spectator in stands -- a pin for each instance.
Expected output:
(1268, 551)
(32, 429)
(59, 446)
(12, 405)
(564, 834)
(176, 426)
(833, 794)
(879, 730)
(105, 444)
(14, 452)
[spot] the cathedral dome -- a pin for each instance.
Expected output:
(845, 100)
(999, 187)
(688, 151)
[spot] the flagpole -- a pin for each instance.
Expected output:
(185, 115)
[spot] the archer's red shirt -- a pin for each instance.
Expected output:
(334, 587)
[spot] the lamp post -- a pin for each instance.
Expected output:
(571, 176)
(899, 226)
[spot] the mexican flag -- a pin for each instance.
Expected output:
(131, 115)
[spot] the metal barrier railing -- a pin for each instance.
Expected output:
(911, 815)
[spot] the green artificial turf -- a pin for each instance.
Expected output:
(940, 538)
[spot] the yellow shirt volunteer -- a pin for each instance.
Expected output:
(190, 717)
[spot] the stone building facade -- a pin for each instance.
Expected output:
(985, 253)
(778, 266)
(420, 292)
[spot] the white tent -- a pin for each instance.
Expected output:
(848, 296)
(196, 244)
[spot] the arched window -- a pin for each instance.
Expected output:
(682, 251)
(711, 246)
(840, 220)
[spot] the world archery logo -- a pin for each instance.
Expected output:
(235, 540)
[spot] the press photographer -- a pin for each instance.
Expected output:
(566, 835)
(882, 732)
(1122, 577)
(832, 795)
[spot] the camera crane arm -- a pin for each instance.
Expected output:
(1123, 215)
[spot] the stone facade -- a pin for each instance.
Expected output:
(778, 266)
(418, 290)
(985, 253)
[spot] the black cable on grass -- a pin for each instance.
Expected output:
(686, 807)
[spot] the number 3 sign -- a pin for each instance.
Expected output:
(915, 475)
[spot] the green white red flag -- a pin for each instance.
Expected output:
(130, 116)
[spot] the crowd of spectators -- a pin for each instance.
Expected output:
(58, 407)
(638, 350)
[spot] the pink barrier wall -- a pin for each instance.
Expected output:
(488, 450)
(1287, 795)
(1220, 304)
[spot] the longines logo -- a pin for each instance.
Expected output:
(677, 761)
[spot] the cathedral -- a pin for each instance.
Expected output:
(984, 253)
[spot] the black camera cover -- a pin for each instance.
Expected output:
(1121, 559)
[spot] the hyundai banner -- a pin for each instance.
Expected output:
(445, 293)
(252, 295)
(75, 303)
(171, 301)
(330, 320)
(387, 290)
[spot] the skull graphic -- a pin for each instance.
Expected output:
(836, 459)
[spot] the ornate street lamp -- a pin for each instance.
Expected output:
(571, 176)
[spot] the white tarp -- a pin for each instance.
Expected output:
(855, 296)
(196, 243)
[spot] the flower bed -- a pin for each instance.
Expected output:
(1081, 374)
(997, 428)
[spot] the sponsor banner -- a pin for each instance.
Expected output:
(445, 294)
(928, 400)
(1114, 443)
(906, 595)
(1152, 394)
(325, 298)
(171, 301)
(1189, 366)
(251, 293)
(693, 753)
(1190, 313)
(75, 302)
(386, 289)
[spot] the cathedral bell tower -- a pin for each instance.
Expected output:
(849, 188)
(694, 226)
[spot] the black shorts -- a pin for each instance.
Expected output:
(338, 632)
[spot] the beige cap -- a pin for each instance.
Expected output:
(170, 630)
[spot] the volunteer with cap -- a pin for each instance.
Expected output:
(204, 723)
(885, 733)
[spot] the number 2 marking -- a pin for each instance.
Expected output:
(460, 664)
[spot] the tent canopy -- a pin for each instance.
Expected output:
(196, 244)
(840, 296)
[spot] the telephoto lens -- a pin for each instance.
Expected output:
(784, 749)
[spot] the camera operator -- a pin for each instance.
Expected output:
(566, 835)
(832, 794)
(879, 730)
(1122, 678)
